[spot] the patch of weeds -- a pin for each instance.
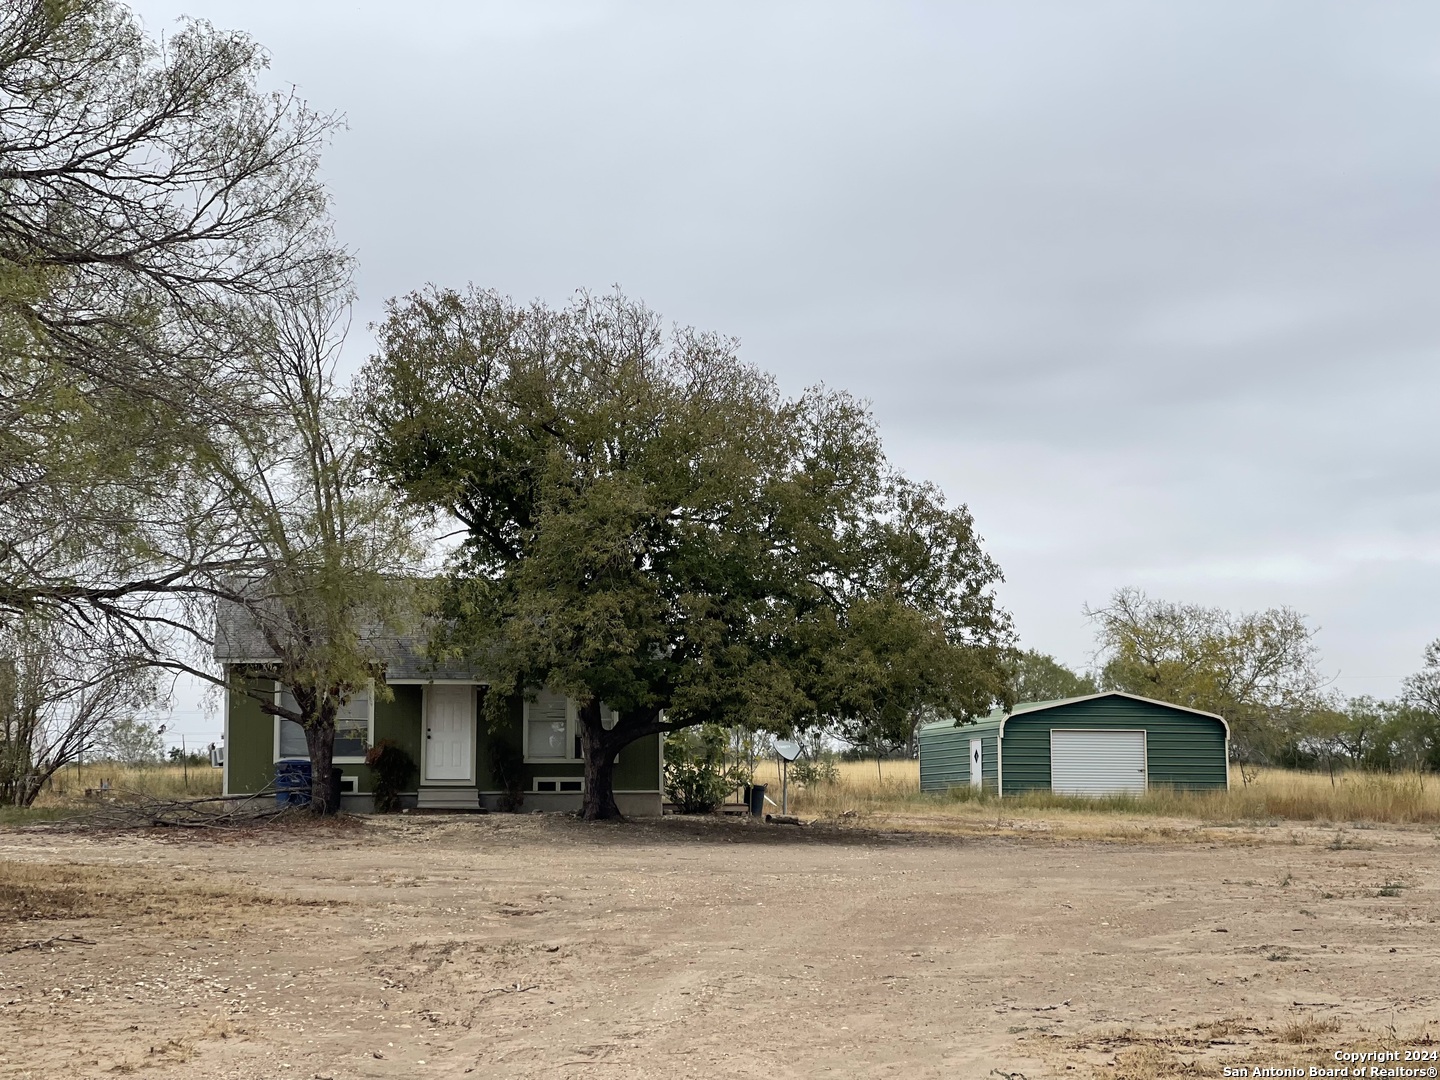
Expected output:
(1308, 1029)
(1288, 879)
(1390, 888)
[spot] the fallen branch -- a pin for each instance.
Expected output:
(518, 988)
(58, 939)
(138, 810)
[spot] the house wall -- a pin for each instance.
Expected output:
(1183, 749)
(945, 756)
(250, 748)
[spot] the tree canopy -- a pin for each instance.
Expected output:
(153, 203)
(1256, 669)
(1039, 676)
(649, 524)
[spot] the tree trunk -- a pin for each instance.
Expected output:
(320, 740)
(599, 748)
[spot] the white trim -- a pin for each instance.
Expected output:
(1144, 747)
(469, 781)
(434, 682)
(999, 764)
(350, 759)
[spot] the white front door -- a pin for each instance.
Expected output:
(449, 732)
(975, 773)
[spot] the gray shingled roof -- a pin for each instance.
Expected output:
(238, 640)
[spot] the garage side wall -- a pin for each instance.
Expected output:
(945, 756)
(1183, 749)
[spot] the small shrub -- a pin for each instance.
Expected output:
(391, 768)
(1309, 1029)
(1390, 888)
(697, 776)
(507, 769)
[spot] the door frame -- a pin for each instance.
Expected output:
(425, 780)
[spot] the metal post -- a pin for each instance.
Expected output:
(784, 786)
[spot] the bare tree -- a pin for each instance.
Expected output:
(61, 694)
(322, 558)
(1256, 669)
(153, 203)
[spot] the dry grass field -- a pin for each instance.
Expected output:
(914, 938)
(893, 788)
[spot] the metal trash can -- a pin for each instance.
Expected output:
(292, 782)
(757, 800)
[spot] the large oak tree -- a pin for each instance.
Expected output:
(649, 524)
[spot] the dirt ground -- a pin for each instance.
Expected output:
(522, 946)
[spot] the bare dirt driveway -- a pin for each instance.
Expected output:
(541, 947)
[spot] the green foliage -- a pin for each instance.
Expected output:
(818, 763)
(155, 201)
(651, 525)
(391, 769)
(698, 776)
(131, 741)
(1255, 669)
(1038, 676)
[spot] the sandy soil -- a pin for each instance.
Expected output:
(538, 946)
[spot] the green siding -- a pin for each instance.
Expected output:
(637, 768)
(1183, 749)
(250, 746)
(945, 755)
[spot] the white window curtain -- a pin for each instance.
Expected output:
(547, 726)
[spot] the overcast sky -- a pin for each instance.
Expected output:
(1150, 286)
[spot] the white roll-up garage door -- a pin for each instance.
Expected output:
(1097, 762)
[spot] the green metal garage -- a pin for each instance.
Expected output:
(1100, 744)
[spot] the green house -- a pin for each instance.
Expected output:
(433, 712)
(1100, 744)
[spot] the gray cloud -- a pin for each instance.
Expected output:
(1150, 286)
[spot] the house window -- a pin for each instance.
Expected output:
(552, 727)
(547, 728)
(559, 784)
(354, 728)
(354, 723)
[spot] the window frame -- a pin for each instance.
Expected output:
(572, 732)
(348, 759)
(559, 789)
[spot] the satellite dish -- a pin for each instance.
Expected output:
(788, 750)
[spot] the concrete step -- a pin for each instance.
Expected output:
(447, 798)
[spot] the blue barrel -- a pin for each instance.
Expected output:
(292, 782)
